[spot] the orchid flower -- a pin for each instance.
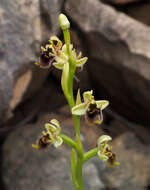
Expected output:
(51, 135)
(90, 108)
(105, 151)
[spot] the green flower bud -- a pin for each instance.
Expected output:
(63, 22)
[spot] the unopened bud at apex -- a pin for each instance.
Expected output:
(63, 22)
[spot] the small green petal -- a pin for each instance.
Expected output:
(79, 109)
(102, 104)
(81, 62)
(58, 65)
(87, 96)
(78, 99)
(102, 156)
(58, 142)
(103, 139)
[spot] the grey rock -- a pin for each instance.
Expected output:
(25, 24)
(91, 178)
(119, 54)
(134, 170)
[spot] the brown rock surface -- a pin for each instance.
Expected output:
(119, 60)
(122, 2)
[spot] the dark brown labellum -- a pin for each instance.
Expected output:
(93, 114)
(43, 141)
(46, 60)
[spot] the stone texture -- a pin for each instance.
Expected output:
(121, 2)
(134, 169)
(25, 168)
(139, 11)
(119, 54)
(25, 24)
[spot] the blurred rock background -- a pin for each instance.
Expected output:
(114, 34)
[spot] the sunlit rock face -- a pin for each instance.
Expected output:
(25, 25)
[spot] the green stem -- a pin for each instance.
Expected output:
(90, 154)
(79, 161)
(67, 140)
(75, 168)
(67, 40)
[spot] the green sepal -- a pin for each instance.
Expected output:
(79, 109)
(50, 128)
(81, 62)
(55, 122)
(78, 98)
(102, 104)
(103, 139)
(58, 65)
(87, 96)
(60, 60)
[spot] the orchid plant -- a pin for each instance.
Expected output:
(64, 57)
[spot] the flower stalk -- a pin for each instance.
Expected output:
(65, 58)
